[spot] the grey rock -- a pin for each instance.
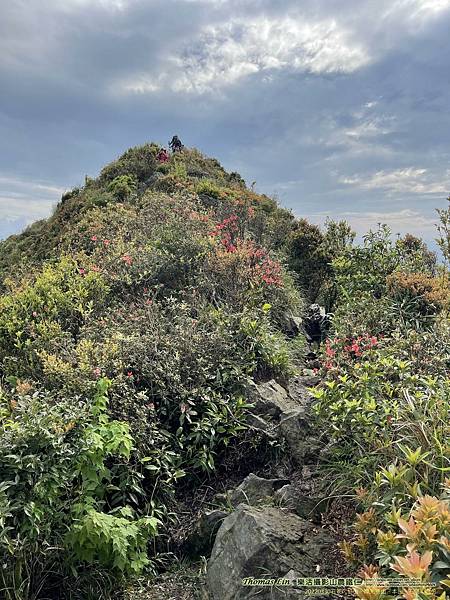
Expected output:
(263, 543)
(201, 540)
(295, 430)
(257, 423)
(254, 490)
(284, 414)
(286, 496)
(270, 399)
(299, 392)
(292, 325)
(307, 507)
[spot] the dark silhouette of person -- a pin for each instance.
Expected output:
(316, 324)
(176, 144)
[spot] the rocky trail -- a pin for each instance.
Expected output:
(267, 529)
(274, 532)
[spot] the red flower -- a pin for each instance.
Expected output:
(355, 348)
(127, 259)
(106, 242)
(94, 238)
(130, 374)
(82, 271)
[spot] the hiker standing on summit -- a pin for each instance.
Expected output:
(176, 144)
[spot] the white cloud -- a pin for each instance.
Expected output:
(223, 54)
(24, 199)
(400, 221)
(31, 185)
(13, 208)
(420, 9)
(399, 181)
(368, 129)
(107, 4)
(414, 14)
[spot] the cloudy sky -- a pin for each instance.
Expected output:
(337, 107)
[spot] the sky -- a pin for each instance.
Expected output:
(337, 108)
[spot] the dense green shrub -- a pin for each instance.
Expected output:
(57, 467)
(374, 402)
(427, 294)
(139, 163)
(122, 187)
(39, 314)
(384, 408)
(362, 275)
(309, 258)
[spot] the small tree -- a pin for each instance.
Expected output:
(444, 232)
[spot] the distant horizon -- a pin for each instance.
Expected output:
(315, 219)
(338, 110)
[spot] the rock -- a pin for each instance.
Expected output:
(307, 507)
(292, 325)
(270, 399)
(263, 543)
(287, 496)
(299, 393)
(201, 540)
(254, 490)
(309, 380)
(257, 423)
(284, 414)
(295, 430)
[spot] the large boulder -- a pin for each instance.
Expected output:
(266, 543)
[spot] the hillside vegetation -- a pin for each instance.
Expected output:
(130, 324)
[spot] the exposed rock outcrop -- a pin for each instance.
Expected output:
(274, 532)
(266, 543)
(284, 414)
